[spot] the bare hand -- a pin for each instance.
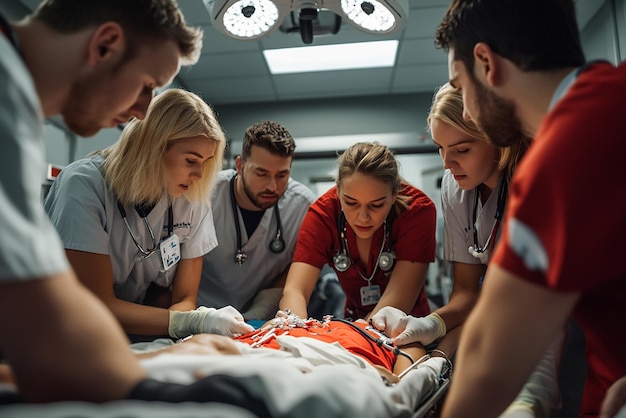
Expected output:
(614, 400)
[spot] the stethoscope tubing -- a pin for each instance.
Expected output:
(276, 246)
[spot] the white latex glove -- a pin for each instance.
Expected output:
(422, 330)
(265, 304)
(387, 319)
(225, 321)
(405, 329)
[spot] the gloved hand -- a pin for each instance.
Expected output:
(387, 319)
(226, 321)
(405, 329)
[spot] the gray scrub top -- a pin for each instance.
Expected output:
(84, 210)
(225, 282)
(458, 206)
(29, 245)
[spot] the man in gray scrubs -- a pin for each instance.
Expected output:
(257, 211)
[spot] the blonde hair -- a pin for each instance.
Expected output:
(134, 166)
(447, 107)
(375, 160)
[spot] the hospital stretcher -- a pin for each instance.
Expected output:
(431, 406)
(322, 385)
(141, 409)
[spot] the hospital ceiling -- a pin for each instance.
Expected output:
(234, 71)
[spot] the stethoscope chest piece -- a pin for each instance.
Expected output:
(341, 261)
(277, 245)
(385, 261)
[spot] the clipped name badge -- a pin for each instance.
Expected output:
(170, 251)
(370, 295)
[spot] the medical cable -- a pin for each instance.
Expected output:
(381, 342)
(144, 217)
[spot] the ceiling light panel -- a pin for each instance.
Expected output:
(332, 57)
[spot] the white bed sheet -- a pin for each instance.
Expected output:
(308, 378)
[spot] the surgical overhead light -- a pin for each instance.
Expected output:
(253, 19)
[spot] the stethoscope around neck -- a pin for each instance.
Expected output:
(476, 250)
(342, 261)
(277, 245)
(155, 244)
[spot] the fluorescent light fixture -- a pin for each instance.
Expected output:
(250, 18)
(254, 19)
(369, 14)
(332, 57)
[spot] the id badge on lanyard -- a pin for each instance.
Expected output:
(370, 294)
(170, 251)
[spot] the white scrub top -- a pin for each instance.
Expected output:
(225, 282)
(458, 207)
(29, 245)
(84, 210)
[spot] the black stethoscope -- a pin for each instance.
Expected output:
(144, 216)
(342, 261)
(277, 245)
(476, 250)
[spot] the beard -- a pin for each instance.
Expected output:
(87, 103)
(497, 118)
(255, 198)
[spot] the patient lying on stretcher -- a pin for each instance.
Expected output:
(358, 338)
(311, 343)
(330, 365)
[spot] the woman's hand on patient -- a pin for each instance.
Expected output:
(225, 321)
(405, 329)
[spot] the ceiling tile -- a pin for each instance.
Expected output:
(423, 22)
(420, 51)
(227, 65)
(334, 83)
(195, 12)
(416, 78)
(234, 90)
(215, 42)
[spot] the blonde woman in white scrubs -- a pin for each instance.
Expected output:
(135, 219)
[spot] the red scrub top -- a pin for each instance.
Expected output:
(412, 238)
(559, 236)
